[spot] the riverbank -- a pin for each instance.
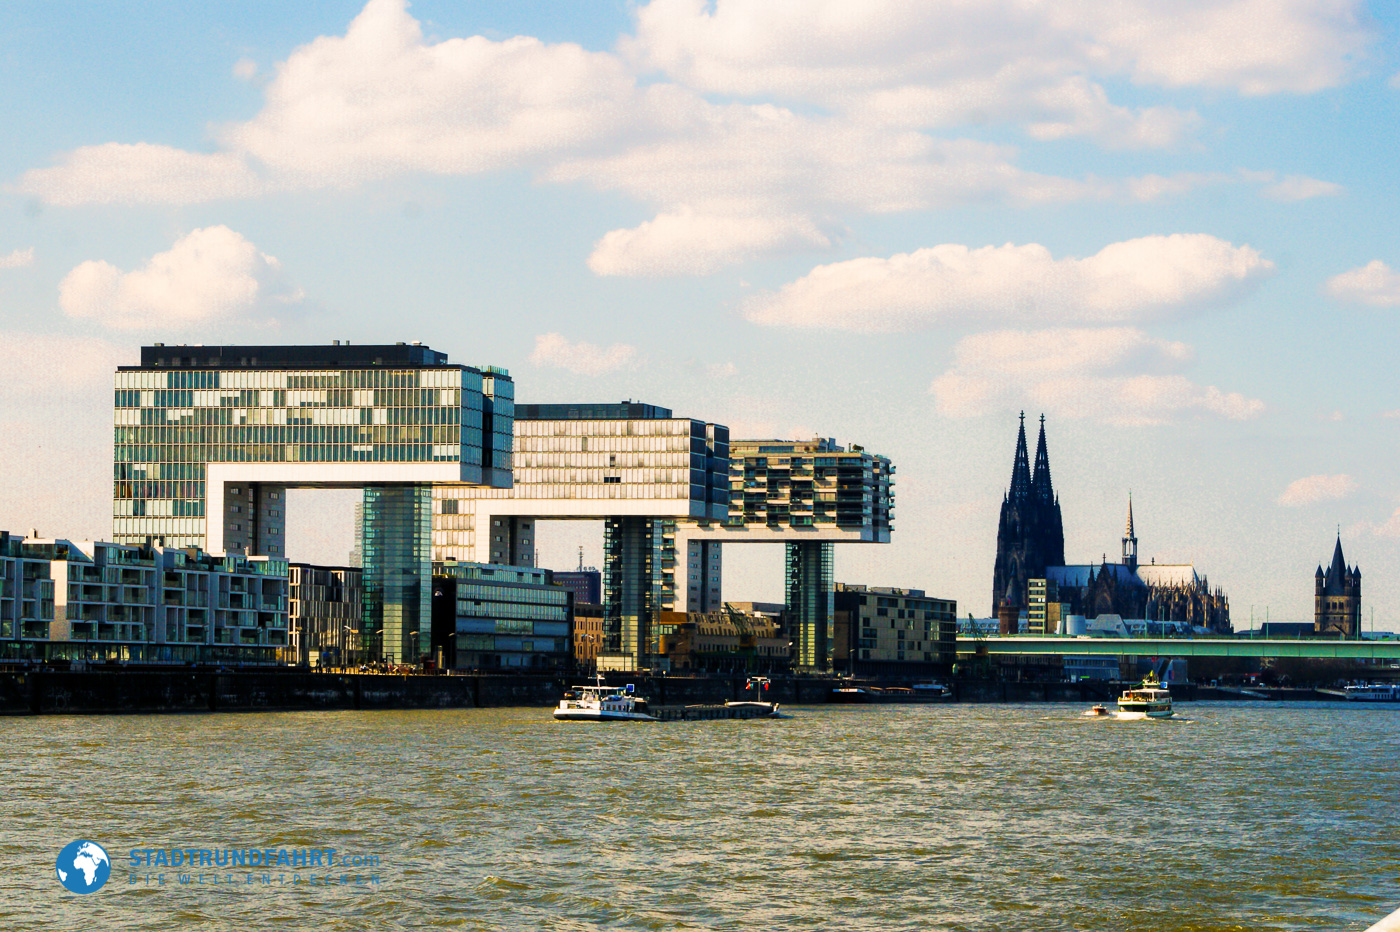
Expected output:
(100, 692)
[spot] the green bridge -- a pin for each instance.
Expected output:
(1185, 647)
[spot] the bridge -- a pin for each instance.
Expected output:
(1318, 649)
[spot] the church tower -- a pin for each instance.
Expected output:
(1130, 553)
(1030, 535)
(1338, 597)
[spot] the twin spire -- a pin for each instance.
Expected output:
(1025, 484)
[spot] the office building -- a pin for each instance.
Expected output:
(887, 631)
(585, 584)
(325, 615)
(209, 438)
(635, 466)
(808, 495)
(496, 617)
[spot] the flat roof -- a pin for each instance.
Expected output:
(600, 411)
(317, 356)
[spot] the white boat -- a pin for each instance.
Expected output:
(1150, 700)
(603, 703)
(758, 686)
(1375, 692)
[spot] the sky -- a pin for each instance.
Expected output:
(1168, 228)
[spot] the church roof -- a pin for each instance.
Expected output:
(1129, 532)
(1152, 574)
(1168, 574)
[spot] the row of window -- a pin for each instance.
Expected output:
(439, 377)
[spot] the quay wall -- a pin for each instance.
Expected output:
(41, 692)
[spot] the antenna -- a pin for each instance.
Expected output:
(580, 558)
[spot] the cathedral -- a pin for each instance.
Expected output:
(1030, 536)
(1031, 545)
(1338, 592)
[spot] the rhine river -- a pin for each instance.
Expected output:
(1237, 816)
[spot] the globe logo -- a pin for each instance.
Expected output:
(83, 866)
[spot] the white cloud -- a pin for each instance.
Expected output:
(1313, 489)
(685, 242)
(1300, 188)
(245, 69)
(115, 173)
(553, 350)
(1118, 375)
(1374, 283)
(380, 100)
(955, 63)
(729, 180)
(19, 259)
(1142, 279)
(212, 274)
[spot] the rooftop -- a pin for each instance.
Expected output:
(335, 355)
(600, 411)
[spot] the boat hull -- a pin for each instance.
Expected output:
(597, 715)
(762, 708)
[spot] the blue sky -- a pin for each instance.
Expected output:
(1170, 229)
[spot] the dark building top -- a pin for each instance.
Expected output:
(332, 356)
(1030, 533)
(621, 411)
(586, 585)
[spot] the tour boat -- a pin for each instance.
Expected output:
(931, 692)
(1150, 700)
(602, 703)
(1375, 692)
(759, 686)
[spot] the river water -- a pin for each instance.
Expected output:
(1238, 816)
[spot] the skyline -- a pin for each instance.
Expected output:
(897, 226)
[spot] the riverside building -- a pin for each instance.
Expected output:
(894, 631)
(95, 600)
(494, 617)
(209, 438)
(325, 615)
(671, 492)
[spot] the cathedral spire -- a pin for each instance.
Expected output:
(1339, 565)
(1041, 487)
(1021, 470)
(1130, 553)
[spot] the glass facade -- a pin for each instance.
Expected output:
(170, 425)
(489, 617)
(638, 555)
(810, 600)
(230, 428)
(398, 570)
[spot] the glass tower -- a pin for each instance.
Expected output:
(208, 438)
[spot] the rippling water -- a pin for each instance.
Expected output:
(1254, 816)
